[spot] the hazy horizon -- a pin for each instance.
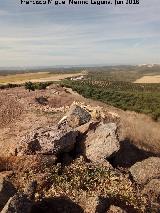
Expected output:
(70, 65)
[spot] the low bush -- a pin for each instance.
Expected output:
(9, 86)
(36, 86)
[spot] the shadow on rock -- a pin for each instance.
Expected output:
(128, 155)
(57, 205)
(105, 204)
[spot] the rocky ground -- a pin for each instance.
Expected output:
(62, 153)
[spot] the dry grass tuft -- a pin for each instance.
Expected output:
(141, 130)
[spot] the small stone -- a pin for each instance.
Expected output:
(115, 209)
(146, 170)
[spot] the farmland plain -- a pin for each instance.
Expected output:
(149, 79)
(34, 77)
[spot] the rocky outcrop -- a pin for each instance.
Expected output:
(61, 138)
(6, 188)
(84, 129)
(77, 116)
(94, 204)
(115, 209)
(146, 170)
(101, 142)
(152, 190)
(50, 140)
(21, 202)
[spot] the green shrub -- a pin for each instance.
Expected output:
(29, 86)
(9, 86)
(36, 86)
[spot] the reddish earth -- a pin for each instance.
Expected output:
(78, 158)
(21, 113)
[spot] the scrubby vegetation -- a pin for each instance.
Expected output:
(34, 86)
(79, 181)
(94, 180)
(9, 86)
(28, 85)
(143, 98)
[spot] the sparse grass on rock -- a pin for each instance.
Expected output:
(81, 180)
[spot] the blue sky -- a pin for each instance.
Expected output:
(78, 35)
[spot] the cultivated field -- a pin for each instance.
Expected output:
(142, 98)
(148, 79)
(34, 77)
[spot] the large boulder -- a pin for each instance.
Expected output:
(6, 188)
(77, 116)
(21, 202)
(50, 140)
(146, 170)
(101, 142)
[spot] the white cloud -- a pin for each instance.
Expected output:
(83, 35)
